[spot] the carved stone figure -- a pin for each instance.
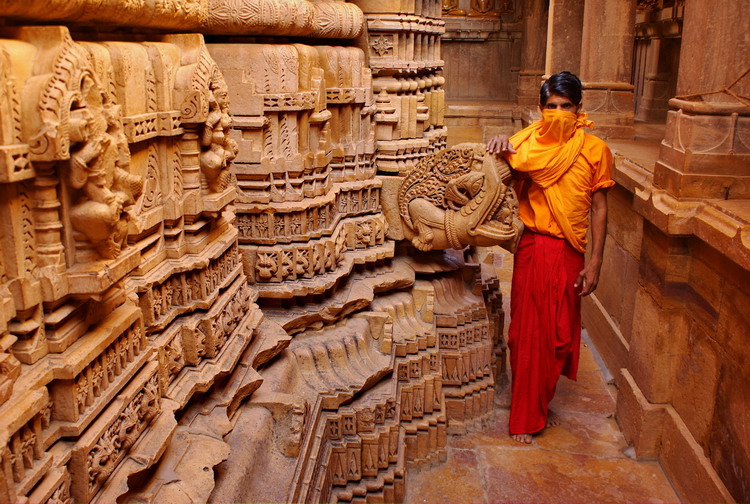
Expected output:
(450, 8)
(484, 8)
(459, 197)
(218, 150)
(103, 188)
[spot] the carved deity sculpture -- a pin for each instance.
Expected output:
(102, 185)
(217, 149)
(458, 197)
(450, 8)
(483, 8)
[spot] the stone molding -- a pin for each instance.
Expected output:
(315, 18)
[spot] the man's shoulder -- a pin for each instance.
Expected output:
(595, 145)
(594, 141)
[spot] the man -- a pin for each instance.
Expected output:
(564, 175)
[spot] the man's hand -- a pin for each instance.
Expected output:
(588, 278)
(499, 144)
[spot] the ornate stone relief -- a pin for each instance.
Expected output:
(459, 197)
(200, 246)
(403, 44)
(123, 292)
(317, 18)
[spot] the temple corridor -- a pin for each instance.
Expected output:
(584, 459)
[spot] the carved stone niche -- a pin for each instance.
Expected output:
(72, 119)
(456, 197)
(278, 100)
(207, 149)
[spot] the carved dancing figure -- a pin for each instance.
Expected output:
(103, 187)
(217, 149)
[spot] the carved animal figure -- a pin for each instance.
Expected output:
(459, 197)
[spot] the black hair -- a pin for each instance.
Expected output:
(563, 84)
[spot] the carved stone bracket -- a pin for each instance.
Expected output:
(454, 198)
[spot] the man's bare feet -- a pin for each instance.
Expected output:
(552, 419)
(521, 438)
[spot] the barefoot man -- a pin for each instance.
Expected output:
(563, 176)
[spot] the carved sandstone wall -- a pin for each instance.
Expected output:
(199, 300)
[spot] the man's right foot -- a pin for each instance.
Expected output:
(521, 438)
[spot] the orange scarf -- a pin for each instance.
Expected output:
(546, 150)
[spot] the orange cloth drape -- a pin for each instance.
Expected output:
(565, 166)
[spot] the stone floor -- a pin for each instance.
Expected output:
(581, 461)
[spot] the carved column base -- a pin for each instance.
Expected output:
(610, 106)
(529, 82)
(705, 153)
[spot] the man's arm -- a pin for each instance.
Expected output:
(588, 278)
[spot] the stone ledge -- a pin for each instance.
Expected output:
(657, 431)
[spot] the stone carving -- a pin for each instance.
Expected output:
(106, 196)
(484, 8)
(319, 18)
(177, 210)
(167, 14)
(217, 149)
(406, 79)
(459, 197)
(102, 186)
(450, 8)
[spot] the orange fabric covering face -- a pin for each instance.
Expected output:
(565, 166)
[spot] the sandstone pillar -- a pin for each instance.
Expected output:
(705, 151)
(564, 31)
(661, 68)
(606, 66)
(532, 51)
(694, 286)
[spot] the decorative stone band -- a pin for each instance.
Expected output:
(322, 18)
(302, 261)
(270, 224)
(167, 14)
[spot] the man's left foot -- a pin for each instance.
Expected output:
(521, 438)
(552, 419)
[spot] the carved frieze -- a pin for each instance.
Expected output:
(112, 203)
(268, 224)
(96, 455)
(316, 257)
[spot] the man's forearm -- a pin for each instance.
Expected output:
(598, 225)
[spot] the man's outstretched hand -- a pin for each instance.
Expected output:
(588, 278)
(499, 144)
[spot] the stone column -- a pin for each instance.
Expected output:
(661, 69)
(532, 51)
(564, 31)
(607, 65)
(706, 152)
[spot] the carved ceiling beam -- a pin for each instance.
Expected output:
(310, 18)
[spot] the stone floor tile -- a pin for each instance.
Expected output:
(459, 479)
(539, 475)
(584, 434)
(589, 394)
(579, 461)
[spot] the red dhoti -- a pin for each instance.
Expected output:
(545, 328)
